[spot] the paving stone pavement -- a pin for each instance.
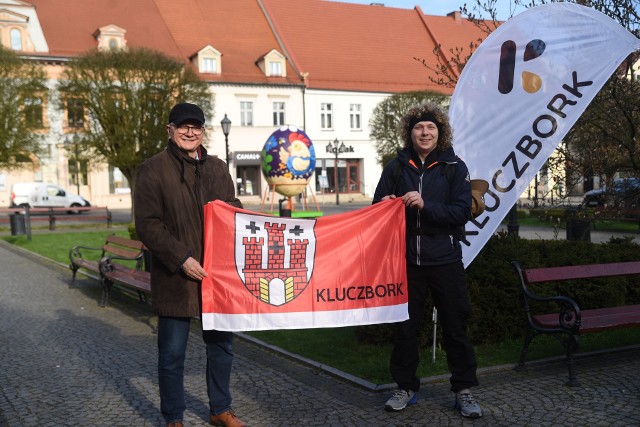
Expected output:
(65, 361)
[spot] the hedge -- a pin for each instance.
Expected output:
(496, 295)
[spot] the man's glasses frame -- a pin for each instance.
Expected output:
(184, 129)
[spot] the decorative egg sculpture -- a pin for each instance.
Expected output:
(288, 160)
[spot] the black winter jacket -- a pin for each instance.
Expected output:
(433, 233)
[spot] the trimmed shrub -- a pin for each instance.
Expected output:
(496, 294)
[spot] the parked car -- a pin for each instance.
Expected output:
(45, 195)
(625, 192)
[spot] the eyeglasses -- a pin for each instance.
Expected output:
(184, 129)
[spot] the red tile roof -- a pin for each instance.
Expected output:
(347, 46)
(341, 46)
(236, 28)
(69, 25)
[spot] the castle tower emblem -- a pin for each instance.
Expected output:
(274, 257)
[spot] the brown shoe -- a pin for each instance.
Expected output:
(175, 424)
(227, 419)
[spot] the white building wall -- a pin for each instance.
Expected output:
(363, 147)
(250, 138)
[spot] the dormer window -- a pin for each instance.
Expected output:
(209, 65)
(15, 29)
(273, 64)
(275, 68)
(208, 60)
(111, 37)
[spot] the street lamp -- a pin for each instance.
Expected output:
(226, 127)
(338, 149)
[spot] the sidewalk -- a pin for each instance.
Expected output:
(66, 361)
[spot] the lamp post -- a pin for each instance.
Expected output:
(337, 148)
(226, 127)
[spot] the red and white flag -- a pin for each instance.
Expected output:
(267, 272)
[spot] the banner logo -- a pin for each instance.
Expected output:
(531, 82)
(274, 257)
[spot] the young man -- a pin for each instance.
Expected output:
(171, 189)
(435, 188)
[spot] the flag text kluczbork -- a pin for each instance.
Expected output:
(353, 293)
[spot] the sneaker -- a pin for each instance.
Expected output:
(400, 399)
(468, 406)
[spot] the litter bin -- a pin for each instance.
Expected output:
(17, 224)
(579, 229)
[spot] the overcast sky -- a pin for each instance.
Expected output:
(436, 7)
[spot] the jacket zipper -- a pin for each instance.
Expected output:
(418, 222)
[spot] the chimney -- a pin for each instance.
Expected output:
(456, 16)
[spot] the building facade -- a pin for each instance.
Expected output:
(319, 65)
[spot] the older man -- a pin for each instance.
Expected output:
(171, 189)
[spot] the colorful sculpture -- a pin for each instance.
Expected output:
(288, 160)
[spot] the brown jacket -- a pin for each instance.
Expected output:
(171, 190)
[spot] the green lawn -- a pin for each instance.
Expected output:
(338, 347)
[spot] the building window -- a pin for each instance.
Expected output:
(16, 39)
(74, 173)
(275, 68)
(246, 113)
(75, 113)
(209, 65)
(355, 116)
(33, 113)
(118, 183)
(113, 44)
(278, 113)
(326, 117)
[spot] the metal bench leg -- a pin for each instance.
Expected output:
(106, 290)
(572, 346)
(529, 335)
(74, 270)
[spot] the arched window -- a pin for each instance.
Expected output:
(113, 44)
(16, 39)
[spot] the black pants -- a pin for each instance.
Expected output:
(449, 292)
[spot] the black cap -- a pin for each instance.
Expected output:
(185, 112)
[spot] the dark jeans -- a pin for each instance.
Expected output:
(449, 292)
(173, 334)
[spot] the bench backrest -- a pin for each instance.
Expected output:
(123, 247)
(586, 271)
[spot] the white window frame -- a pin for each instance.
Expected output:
(326, 116)
(275, 68)
(246, 113)
(278, 113)
(209, 65)
(16, 39)
(355, 116)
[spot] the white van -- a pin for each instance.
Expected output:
(44, 195)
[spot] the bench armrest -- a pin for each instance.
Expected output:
(569, 317)
(75, 252)
(106, 263)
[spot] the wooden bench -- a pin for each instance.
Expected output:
(572, 321)
(102, 262)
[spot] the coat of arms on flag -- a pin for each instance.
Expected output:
(267, 272)
(274, 258)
